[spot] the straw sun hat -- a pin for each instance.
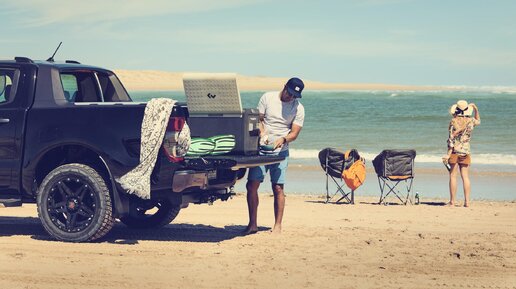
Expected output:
(461, 108)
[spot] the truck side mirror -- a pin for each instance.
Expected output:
(2, 83)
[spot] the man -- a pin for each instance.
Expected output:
(281, 120)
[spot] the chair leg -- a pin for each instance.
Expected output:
(381, 189)
(346, 197)
(409, 189)
(392, 189)
(392, 185)
(327, 191)
(340, 190)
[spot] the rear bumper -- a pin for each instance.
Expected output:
(216, 172)
(184, 180)
(203, 186)
(187, 181)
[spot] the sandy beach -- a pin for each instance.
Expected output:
(322, 246)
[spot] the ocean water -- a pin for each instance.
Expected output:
(371, 121)
(375, 120)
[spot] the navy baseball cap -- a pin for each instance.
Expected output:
(295, 86)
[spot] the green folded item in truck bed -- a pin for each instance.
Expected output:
(200, 147)
(215, 145)
(223, 144)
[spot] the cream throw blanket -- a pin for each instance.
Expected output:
(155, 121)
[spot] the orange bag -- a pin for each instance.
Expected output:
(355, 175)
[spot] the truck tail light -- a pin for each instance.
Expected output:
(175, 125)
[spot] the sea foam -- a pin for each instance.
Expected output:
(486, 159)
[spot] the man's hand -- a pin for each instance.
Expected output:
(279, 142)
(264, 139)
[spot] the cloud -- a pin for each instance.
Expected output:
(322, 44)
(43, 12)
(306, 41)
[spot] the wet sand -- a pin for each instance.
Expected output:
(322, 246)
(488, 183)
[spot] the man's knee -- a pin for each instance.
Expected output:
(277, 189)
(252, 186)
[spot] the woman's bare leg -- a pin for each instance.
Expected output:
(464, 173)
(453, 183)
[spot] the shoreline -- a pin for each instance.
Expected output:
(429, 183)
(428, 169)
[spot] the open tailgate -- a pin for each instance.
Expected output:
(232, 162)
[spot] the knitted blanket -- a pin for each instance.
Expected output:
(155, 121)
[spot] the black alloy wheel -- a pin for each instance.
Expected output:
(74, 204)
(150, 213)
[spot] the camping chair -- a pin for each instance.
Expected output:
(333, 162)
(393, 167)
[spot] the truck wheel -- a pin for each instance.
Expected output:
(74, 204)
(151, 214)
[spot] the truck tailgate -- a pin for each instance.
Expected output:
(233, 162)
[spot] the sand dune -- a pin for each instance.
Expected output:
(322, 246)
(162, 80)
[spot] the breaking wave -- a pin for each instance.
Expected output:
(486, 159)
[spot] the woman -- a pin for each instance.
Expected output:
(458, 156)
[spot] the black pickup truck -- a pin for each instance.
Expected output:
(68, 131)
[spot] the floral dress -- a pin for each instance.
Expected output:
(460, 135)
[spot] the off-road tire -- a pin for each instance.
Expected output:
(83, 211)
(166, 213)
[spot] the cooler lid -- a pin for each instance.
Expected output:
(209, 94)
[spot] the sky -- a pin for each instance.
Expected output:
(412, 42)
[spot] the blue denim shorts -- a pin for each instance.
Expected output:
(278, 171)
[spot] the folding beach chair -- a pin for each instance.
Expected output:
(334, 162)
(393, 167)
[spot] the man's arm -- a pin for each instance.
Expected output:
(290, 137)
(264, 138)
(261, 125)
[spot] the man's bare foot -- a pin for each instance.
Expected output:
(276, 230)
(250, 230)
(466, 205)
(450, 204)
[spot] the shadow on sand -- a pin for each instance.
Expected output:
(121, 234)
(438, 204)
(330, 202)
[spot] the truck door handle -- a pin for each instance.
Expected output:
(4, 120)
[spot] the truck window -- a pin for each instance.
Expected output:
(8, 91)
(112, 89)
(70, 87)
(80, 87)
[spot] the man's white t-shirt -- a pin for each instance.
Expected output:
(279, 116)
